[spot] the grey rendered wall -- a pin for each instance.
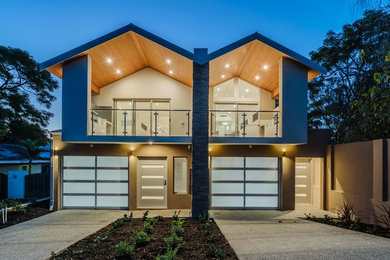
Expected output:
(75, 99)
(293, 85)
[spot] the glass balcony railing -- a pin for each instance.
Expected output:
(140, 122)
(244, 123)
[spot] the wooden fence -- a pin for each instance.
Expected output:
(37, 185)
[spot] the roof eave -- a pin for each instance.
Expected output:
(127, 28)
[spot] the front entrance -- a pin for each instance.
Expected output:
(308, 181)
(152, 183)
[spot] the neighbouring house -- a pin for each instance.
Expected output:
(14, 180)
(147, 124)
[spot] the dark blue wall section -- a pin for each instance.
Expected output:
(294, 102)
(200, 137)
(75, 100)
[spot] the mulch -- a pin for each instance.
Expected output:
(18, 217)
(195, 242)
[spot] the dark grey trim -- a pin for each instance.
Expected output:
(245, 195)
(152, 158)
(244, 168)
(111, 35)
(244, 181)
(96, 194)
(259, 37)
(93, 168)
(93, 181)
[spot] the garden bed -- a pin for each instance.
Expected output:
(196, 241)
(28, 213)
(355, 225)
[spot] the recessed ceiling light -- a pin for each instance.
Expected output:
(168, 61)
(257, 77)
(265, 67)
(118, 71)
(227, 65)
(217, 89)
(223, 76)
(170, 72)
(247, 90)
(109, 60)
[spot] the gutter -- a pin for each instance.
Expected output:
(51, 204)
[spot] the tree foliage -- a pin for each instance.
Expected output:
(22, 88)
(31, 150)
(353, 97)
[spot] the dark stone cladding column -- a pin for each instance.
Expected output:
(200, 137)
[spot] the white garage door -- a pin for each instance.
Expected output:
(95, 182)
(245, 182)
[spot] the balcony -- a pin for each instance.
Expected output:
(141, 122)
(244, 123)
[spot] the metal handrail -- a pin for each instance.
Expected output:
(95, 112)
(243, 124)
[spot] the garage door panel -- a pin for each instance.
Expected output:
(228, 162)
(79, 161)
(245, 182)
(227, 175)
(103, 180)
(227, 201)
(79, 187)
(261, 175)
(261, 201)
(112, 161)
(79, 174)
(78, 201)
(112, 188)
(261, 188)
(112, 175)
(261, 162)
(227, 188)
(113, 201)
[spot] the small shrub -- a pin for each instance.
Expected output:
(346, 213)
(178, 230)
(158, 218)
(3, 204)
(374, 230)
(171, 254)
(384, 216)
(124, 249)
(128, 218)
(103, 236)
(173, 241)
(176, 215)
(208, 226)
(141, 238)
(118, 223)
(145, 216)
(357, 224)
(214, 251)
(80, 250)
(20, 209)
(148, 227)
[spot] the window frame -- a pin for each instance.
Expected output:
(174, 172)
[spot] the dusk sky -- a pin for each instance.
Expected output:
(48, 28)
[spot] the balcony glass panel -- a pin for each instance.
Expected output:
(145, 119)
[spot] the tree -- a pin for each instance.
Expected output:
(31, 150)
(22, 85)
(349, 99)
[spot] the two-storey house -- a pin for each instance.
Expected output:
(147, 124)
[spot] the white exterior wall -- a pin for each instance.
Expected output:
(147, 83)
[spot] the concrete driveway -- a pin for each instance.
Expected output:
(37, 238)
(281, 235)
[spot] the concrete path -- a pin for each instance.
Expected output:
(281, 235)
(37, 238)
